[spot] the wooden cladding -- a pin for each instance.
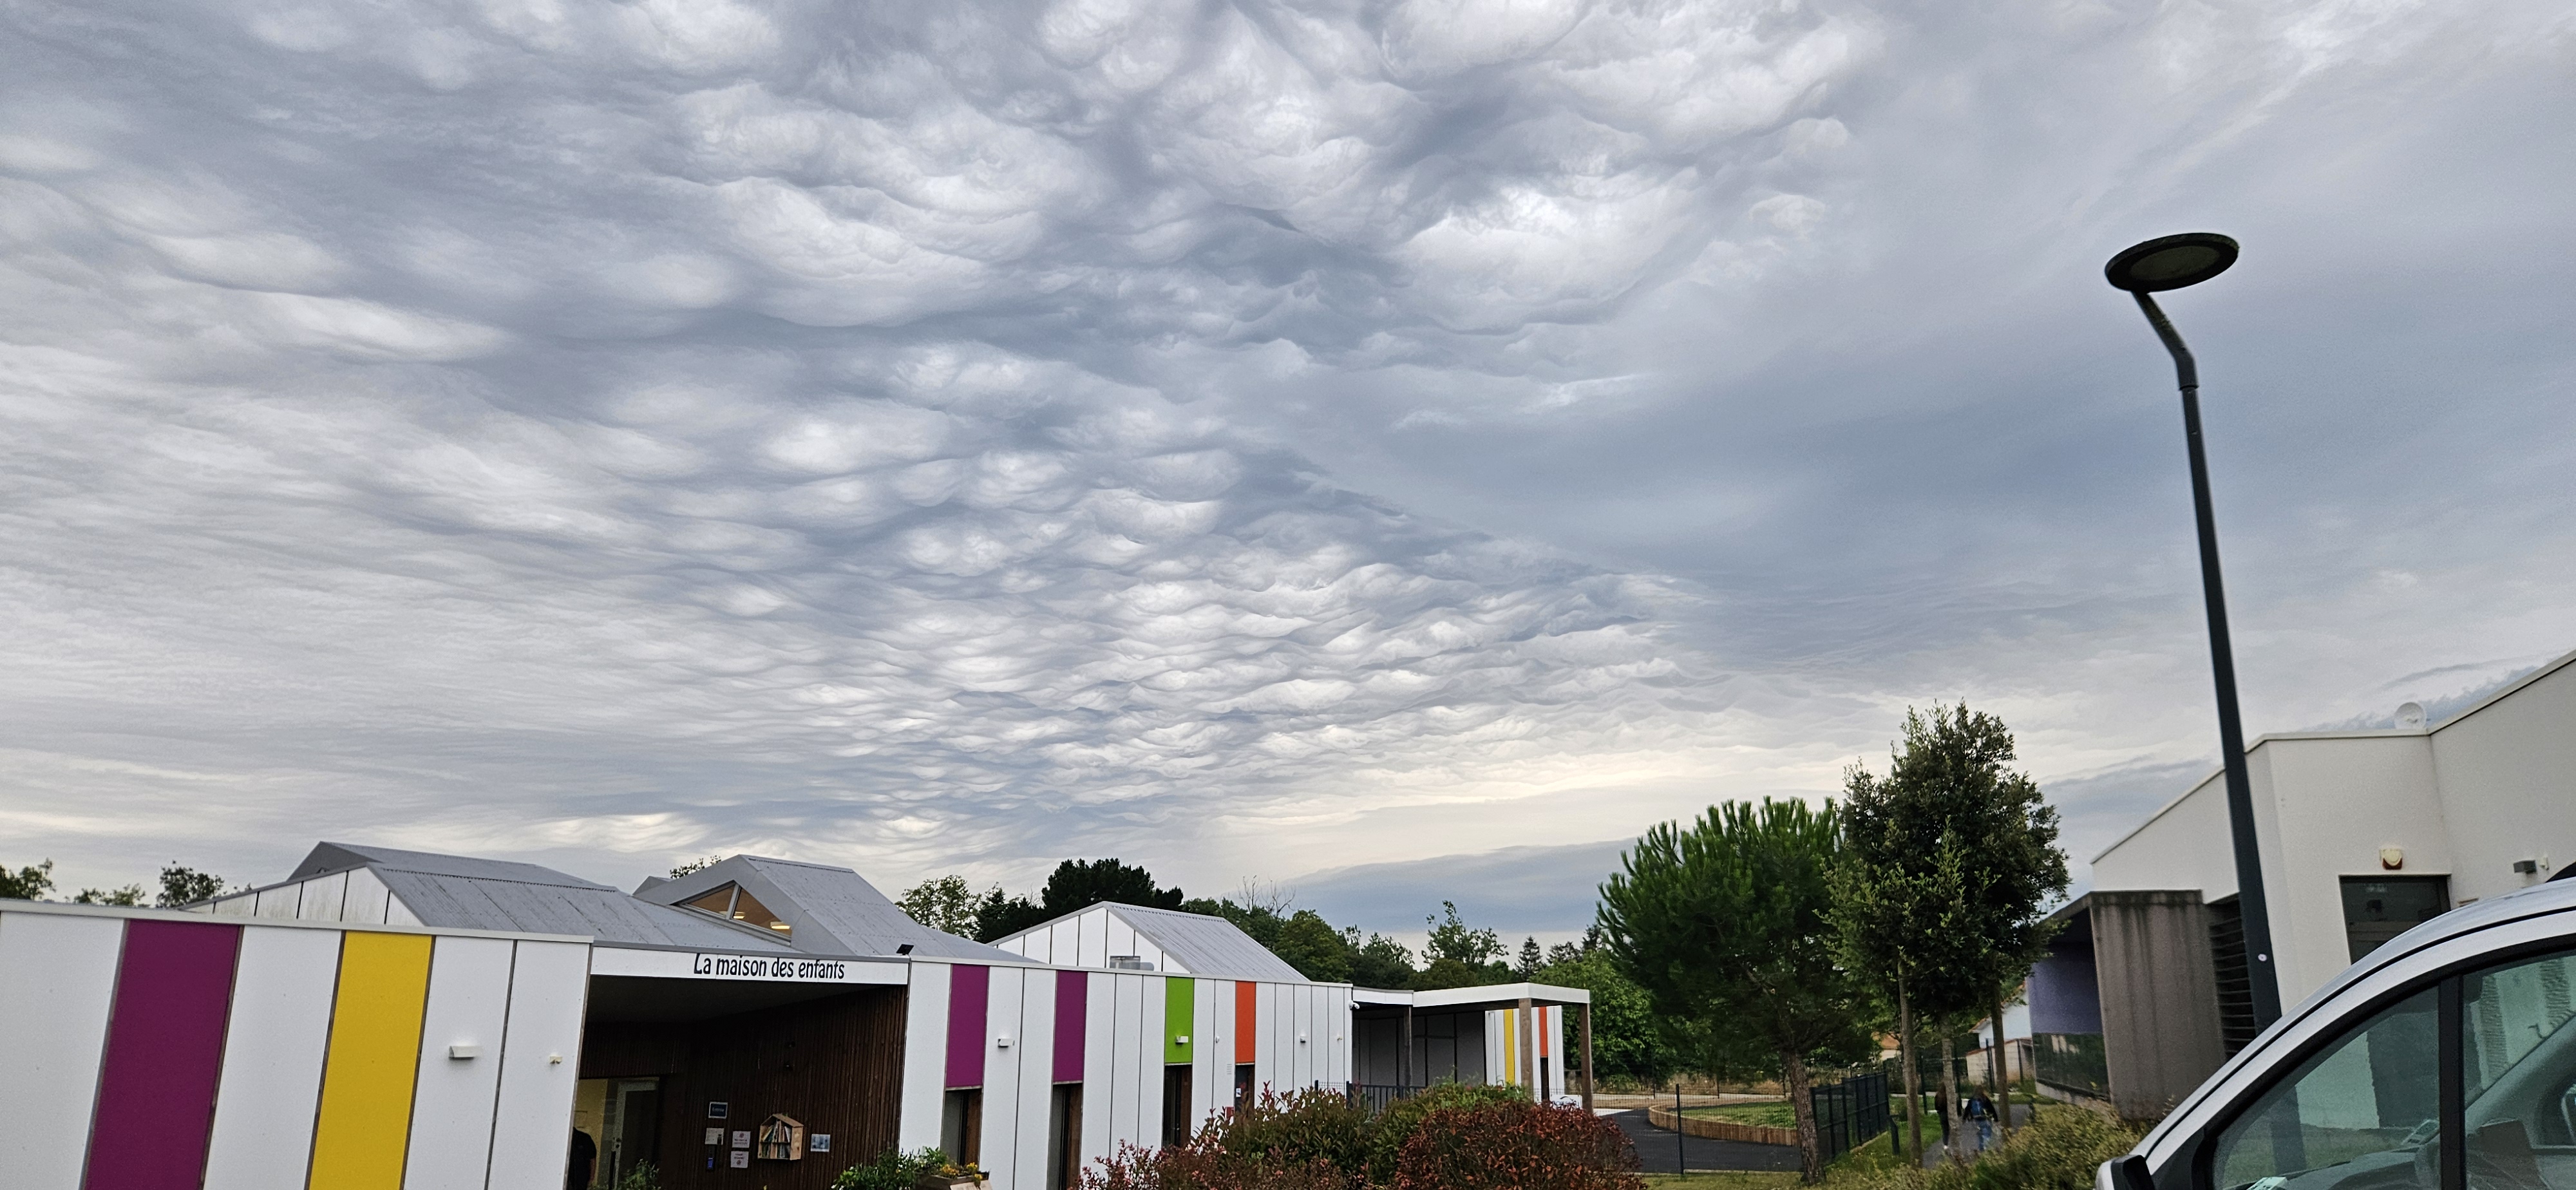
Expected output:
(832, 1064)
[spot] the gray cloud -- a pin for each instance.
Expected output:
(1248, 437)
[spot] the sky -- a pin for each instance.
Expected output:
(1383, 451)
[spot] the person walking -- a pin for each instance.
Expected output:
(1982, 1110)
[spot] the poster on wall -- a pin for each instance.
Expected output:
(742, 1158)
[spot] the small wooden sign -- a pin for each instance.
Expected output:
(781, 1139)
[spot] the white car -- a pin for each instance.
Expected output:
(2441, 1061)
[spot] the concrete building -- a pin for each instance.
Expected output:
(397, 1020)
(2362, 834)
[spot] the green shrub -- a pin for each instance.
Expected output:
(645, 1176)
(1516, 1146)
(1297, 1130)
(1405, 1116)
(2058, 1150)
(892, 1170)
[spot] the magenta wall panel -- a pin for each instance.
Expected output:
(970, 989)
(1072, 993)
(165, 1047)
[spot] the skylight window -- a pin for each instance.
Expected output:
(730, 902)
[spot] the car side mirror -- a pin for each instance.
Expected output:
(2125, 1173)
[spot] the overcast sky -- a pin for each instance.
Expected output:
(1253, 440)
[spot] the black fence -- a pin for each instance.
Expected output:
(2073, 1062)
(1377, 1097)
(1849, 1112)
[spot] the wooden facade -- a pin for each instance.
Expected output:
(835, 1065)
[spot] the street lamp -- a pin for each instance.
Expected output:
(2172, 262)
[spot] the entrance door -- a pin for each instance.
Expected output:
(2378, 908)
(634, 1125)
(1177, 1115)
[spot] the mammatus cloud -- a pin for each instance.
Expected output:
(1254, 438)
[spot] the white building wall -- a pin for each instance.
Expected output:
(453, 1098)
(1035, 1048)
(2341, 799)
(57, 980)
(925, 1056)
(1001, 1148)
(1099, 1078)
(2507, 774)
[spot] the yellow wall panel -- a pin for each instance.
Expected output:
(365, 1120)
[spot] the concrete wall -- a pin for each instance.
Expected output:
(2507, 774)
(2159, 995)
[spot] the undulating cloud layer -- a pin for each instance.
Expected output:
(1249, 438)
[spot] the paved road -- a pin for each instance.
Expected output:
(1655, 1149)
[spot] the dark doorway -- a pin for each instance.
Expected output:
(2378, 908)
(961, 1126)
(637, 1137)
(1243, 1085)
(1176, 1105)
(1064, 1137)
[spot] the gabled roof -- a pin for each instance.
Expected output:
(462, 892)
(1199, 944)
(828, 910)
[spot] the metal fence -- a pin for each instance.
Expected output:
(1849, 1112)
(1377, 1097)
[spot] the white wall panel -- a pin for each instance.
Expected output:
(453, 1099)
(1036, 1049)
(1266, 1066)
(925, 1056)
(1125, 1063)
(322, 896)
(280, 902)
(1148, 1056)
(1099, 1087)
(1212, 1077)
(397, 913)
(1002, 1075)
(1094, 949)
(57, 979)
(273, 1047)
(364, 902)
(540, 1062)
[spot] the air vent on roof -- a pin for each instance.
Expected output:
(1130, 962)
(2410, 716)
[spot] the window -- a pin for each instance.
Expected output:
(733, 903)
(1064, 1137)
(2518, 1065)
(2378, 908)
(2363, 1113)
(1177, 1114)
(961, 1126)
(2235, 987)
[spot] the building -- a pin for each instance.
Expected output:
(398, 1019)
(2362, 835)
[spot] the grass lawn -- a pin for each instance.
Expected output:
(1765, 1115)
(1723, 1179)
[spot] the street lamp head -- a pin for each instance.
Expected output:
(2171, 262)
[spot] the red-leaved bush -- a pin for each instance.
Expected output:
(1202, 1163)
(1518, 1146)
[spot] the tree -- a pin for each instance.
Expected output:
(943, 903)
(999, 916)
(1457, 955)
(29, 883)
(131, 894)
(1531, 960)
(1953, 852)
(695, 866)
(1080, 884)
(183, 885)
(1725, 925)
(1313, 947)
(1380, 962)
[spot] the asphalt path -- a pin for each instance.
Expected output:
(1655, 1149)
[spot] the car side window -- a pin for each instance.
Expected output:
(2518, 1063)
(2361, 1114)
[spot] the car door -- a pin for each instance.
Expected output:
(2462, 1077)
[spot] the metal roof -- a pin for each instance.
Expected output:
(1204, 945)
(462, 892)
(829, 910)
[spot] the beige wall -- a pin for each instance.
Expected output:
(2183, 846)
(2336, 801)
(2508, 779)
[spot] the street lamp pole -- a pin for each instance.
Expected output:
(2143, 270)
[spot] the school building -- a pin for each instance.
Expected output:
(398, 1020)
